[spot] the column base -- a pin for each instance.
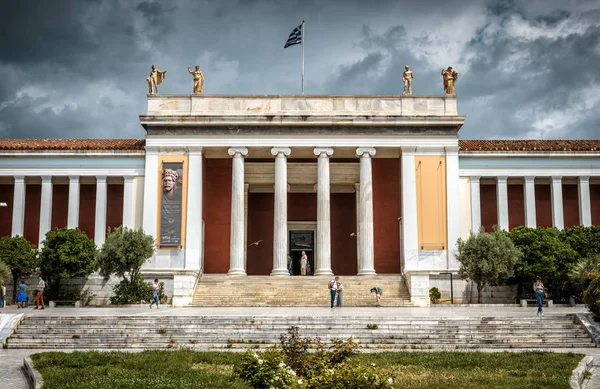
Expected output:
(323, 272)
(236, 272)
(280, 272)
(366, 272)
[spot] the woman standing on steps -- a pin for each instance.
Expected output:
(538, 288)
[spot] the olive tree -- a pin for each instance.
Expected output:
(487, 258)
(21, 258)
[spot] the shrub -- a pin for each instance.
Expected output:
(587, 274)
(21, 258)
(434, 295)
(134, 292)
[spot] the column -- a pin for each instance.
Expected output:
(151, 172)
(73, 209)
(529, 189)
(475, 204)
(45, 208)
(366, 259)
(280, 231)
(410, 237)
(452, 204)
(100, 226)
(323, 266)
(18, 216)
(193, 229)
(357, 233)
(246, 194)
(558, 220)
(128, 198)
(502, 201)
(236, 245)
(585, 208)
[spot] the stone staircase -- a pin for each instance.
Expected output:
(259, 291)
(258, 332)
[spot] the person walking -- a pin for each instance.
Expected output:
(378, 291)
(22, 295)
(340, 293)
(303, 262)
(332, 286)
(39, 297)
(290, 264)
(538, 288)
(155, 293)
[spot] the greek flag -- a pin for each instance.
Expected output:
(295, 37)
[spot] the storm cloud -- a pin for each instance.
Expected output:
(77, 69)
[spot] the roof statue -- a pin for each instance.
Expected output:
(449, 76)
(198, 79)
(407, 77)
(155, 79)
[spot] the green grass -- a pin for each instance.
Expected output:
(184, 369)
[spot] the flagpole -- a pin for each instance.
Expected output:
(302, 57)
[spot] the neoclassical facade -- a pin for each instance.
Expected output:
(364, 185)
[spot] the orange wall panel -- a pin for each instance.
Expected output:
(386, 211)
(431, 202)
(543, 205)
(516, 206)
(60, 206)
(7, 192)
(217, 214)
(489, 206)
(33, 198)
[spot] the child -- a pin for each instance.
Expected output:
(377, 292)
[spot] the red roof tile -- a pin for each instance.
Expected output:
(529, 145)
(72, 144)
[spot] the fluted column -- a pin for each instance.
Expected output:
(73, 207)
(45, 208)
(367, 250)
(410, 237)
(502, 200)
(280, 231)
(194, 239)
(18, 216)
(323, 266)
(475, 204)
(128, 199)
(100, 226)
(529, 189)
(585, 209)
(556, 196)
(236, 247)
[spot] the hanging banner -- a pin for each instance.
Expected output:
(172, 204)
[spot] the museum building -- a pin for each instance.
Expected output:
(364, 185)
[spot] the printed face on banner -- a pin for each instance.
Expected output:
(171, 206)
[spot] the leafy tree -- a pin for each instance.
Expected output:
(587, 273)
(487, 258)
(584, 240)
(546, 254)
(5, 274)
(20, 256)
(67, 253)
(123, 253)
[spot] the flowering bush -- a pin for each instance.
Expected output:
(303, 363)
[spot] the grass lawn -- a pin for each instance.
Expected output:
(188, 369)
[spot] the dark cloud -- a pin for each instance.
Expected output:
(77, 69)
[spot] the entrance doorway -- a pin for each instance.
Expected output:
(302, 241)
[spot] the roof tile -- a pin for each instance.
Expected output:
(529, 145)
(72, 144)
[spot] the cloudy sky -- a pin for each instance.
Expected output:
(77, 69)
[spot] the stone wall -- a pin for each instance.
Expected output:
(465, 291)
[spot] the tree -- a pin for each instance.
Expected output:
(67, 253)
(487, 258)
(5, 275)
(123, 254)
(20, 256)
(587, 273)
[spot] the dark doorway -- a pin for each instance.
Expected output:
(302, 241)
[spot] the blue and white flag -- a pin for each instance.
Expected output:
(295, 37)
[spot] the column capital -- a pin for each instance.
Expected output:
(365, 151)
(408, 150)
(19, 179)
(584, 179)
(73, 179)
(238, 150)
(323, 151)
(501, 179)
(128, 179)
(100, 179)
(195, 150)
(451, 151)
(276, 151)
(46, 179)
(529, 179)
(556, 179)
(475, 179)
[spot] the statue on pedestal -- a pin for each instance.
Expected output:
(155, 79)
(407, 77)
(449, 76)
(198, 80)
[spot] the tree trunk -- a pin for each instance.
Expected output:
(479, 293)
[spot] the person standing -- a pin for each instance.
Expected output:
(538, 288)
(155, 293)
(2, 296)
(378, 291)
(303, 262)
(333, 289)
(22, 295)
(290, 264)
(340, 294)
(39, 297)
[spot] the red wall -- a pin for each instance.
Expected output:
(301, 207)
(543, 205)
(114, 206)
(7, 192)
(343, 224)
(33, 196)
(489, 206)
(386, 211)
(217, 214)
(259, 258)
(570, 205)
(595, 200)
(87, 209)
(516, 206)
(60, 206)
